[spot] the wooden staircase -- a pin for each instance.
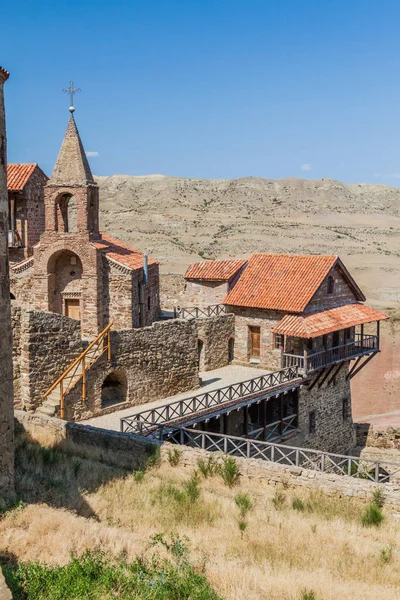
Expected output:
(54, 398)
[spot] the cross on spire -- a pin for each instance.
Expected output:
(71, 90)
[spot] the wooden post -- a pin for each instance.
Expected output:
(281, 413)
(62, 399)
(362, 337)
(83, 379)
(225, 423)
(109, 344)
(264, 419)
(378, 329)
(305, 360)
(246, 421)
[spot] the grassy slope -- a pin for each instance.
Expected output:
(281, 553)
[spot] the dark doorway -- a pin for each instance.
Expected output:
(113, 390)
(231, 350)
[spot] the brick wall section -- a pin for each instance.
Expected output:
(215, 333)
(6, 375)
(17, 350)
(157, 361)
(333, 432)
(205, 293)
(270, 357)
(342, 293)
(48, 343)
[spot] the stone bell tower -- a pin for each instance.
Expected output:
(6, 375)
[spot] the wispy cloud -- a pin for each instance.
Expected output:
(92, 153)
(306, 167)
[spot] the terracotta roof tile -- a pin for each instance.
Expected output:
(18, 175)
(281, 281)
(121, 252)
(333, 319)
(215, 270)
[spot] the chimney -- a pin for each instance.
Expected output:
(145, 268)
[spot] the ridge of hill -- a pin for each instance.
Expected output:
(180, 221)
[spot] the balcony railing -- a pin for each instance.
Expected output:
(275, 430)
(362, 344)
(195, 312)
(14, 241)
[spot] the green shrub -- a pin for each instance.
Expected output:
(386, 554)
(243, 503)
(298, 504)
(192, 488)
(242, 523)
(229, 471)
(209, 467)
(279, 500)
(138, 475)
(372, 516)
(174, 456)
(95, 575)
(308, 595)
(378, 497)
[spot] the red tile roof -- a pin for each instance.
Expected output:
(121, 252)
(18, 175)
(215, 270)
(319, 323)
(283, 281)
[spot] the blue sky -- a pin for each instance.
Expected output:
(208, 88)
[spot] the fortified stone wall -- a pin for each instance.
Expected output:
(270, 357)
(6, 375)
(45, 344)
(388, 439)
(151, 362)
(21, 283)
(128, 451)
(215, 333)
(331, 405)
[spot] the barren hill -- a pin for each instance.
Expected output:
(183, 220)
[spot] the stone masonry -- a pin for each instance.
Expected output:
(215, 335)
(6, 377)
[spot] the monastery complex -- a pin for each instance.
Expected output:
(81, 312)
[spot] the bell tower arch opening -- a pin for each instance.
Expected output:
(64, 272)
(66, 214)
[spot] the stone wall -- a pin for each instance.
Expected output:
(342, 293)
(45, 344)
(205, 293)
(266, 320)
(151, 362)
(6, 375)
(111, 447)
(388, 439)
(215, 333)
(21, 283)
(334, 430)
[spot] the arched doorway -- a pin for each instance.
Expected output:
(64, 270)
(66, 214)
(200, 353)
(12, 296)
(114, 388)
(231, 349)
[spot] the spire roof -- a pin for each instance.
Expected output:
(72, 166)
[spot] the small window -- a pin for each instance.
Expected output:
(348, 332)
(278, 340)
(309, 344)
(345, 408)
(311, 422)
(331, 284)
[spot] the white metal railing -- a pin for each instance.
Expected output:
(327, 462)
(181, 410)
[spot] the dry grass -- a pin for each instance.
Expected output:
(281, 553)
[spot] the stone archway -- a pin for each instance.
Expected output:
(66, 214)
(114, 389)
(64, 271)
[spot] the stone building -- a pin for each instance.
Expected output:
(208, 283)
(6, 378)
(25, 183)
(75, 269)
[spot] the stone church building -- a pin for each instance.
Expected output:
(76, 270)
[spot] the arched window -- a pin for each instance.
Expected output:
(231, 349)
(66, 214)
(331, 285)
(113, 390)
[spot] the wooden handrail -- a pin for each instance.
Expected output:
(81, 358)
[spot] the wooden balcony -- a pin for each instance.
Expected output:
(361, 345)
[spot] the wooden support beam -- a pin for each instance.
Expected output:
(332, 379)
(328, 372)
(359, 359)
(281, 414)
(264, 418)
(225, 424)
(378, 327)
(355, 371)
(246, 421)
(316, 380)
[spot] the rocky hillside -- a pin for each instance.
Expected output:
(184, 220)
